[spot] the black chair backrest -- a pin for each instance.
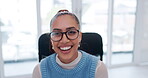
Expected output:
(91, 43)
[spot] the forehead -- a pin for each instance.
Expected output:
(63, 22)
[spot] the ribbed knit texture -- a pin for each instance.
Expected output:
(84, 69)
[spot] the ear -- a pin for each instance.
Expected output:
(51, 47)
(80, 36)
(51, 42)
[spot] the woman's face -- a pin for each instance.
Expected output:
(66, 49)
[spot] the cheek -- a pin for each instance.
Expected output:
(54, 44)
(77, 42)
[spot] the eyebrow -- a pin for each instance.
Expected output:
(56, 29)
(70, 28)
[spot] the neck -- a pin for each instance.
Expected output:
(67, 61)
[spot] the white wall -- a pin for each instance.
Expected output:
(141, 32)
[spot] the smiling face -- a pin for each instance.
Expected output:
(66, 49)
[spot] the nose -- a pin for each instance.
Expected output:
(64, 39)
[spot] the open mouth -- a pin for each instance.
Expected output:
(65, 48)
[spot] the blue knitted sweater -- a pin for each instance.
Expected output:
(84, 69)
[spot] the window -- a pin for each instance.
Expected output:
(49, 8)
(123, 31)
(95, 18)
(19, 36)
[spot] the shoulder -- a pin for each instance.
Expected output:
(36, 72)
(100, 65)
(101, 70)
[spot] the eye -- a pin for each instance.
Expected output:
(55, 34)
(72, 32)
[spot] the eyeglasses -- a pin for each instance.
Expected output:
(70, 34)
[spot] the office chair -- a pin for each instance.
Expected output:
(91, 43)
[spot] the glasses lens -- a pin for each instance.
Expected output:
(72, 34)
(56, 36)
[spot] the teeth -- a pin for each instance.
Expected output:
(65, 48)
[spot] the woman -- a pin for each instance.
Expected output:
(68, 61)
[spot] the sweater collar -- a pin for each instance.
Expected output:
(70, 65)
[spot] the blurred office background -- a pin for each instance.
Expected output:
(123, 25)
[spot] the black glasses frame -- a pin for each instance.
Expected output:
(62, 36)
